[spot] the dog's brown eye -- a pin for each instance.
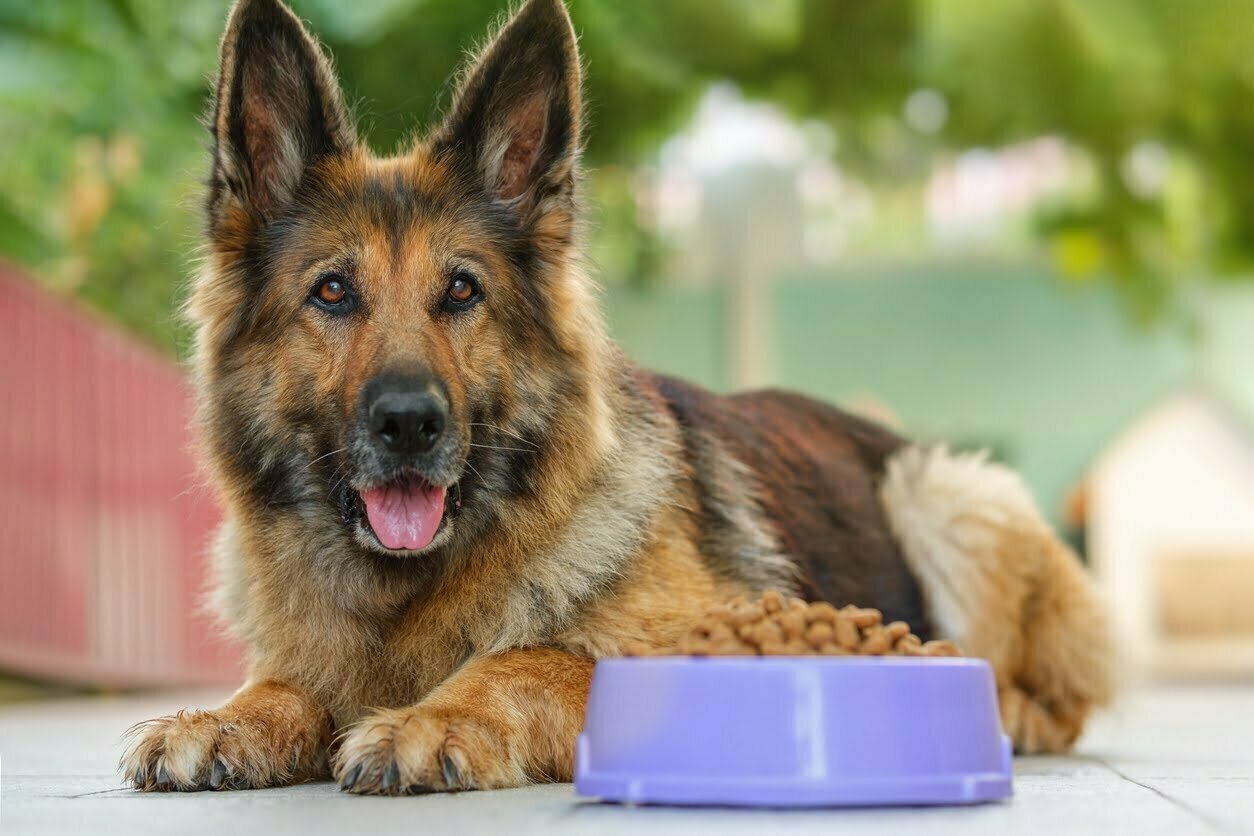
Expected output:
(332, 292)
(334, 295)
(462, 289)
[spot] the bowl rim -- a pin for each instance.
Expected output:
(847, 661)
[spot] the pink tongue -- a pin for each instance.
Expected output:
(405, 515)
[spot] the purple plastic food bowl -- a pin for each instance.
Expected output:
(793, 732)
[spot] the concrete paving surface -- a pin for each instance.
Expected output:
(1168, 759)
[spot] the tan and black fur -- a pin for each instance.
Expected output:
(589, 504)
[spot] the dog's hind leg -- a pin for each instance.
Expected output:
(997, 580)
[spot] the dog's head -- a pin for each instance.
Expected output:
(385, 339)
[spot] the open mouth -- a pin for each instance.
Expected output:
(404, 514)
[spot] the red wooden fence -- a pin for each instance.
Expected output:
(103, 524)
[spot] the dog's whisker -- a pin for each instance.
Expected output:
(323, 456)
(331, 492)
(511, 449)
(475, 470)
(510, 433)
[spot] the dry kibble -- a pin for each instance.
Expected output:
(793, 621)
(897, 630)
(876, 642)
(823, 612)
(941, 648)
(798, 647)
(775, 625)
(908, 644)
(862, 617)
(770, 631)
(722, 633)
(820, 633)
(846, 632)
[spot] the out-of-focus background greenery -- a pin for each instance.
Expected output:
(1017, 224)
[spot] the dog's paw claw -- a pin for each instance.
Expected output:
(163, 779)
(391, 777)
(351, 778)
(452, 775)
(217, 777)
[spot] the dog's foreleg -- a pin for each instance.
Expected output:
(267, 735)
(503, 720)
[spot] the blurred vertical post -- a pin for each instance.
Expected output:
(755, 217)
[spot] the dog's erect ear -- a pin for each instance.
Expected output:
(516, 118)
(277, 109)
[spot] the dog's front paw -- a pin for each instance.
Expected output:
(409, 751)
(220, 750)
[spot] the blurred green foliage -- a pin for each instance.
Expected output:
(103, 152)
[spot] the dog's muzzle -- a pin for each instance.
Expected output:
(403, 455)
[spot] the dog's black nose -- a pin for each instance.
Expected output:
(407, 420)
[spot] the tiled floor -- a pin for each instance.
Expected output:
(1174, 760)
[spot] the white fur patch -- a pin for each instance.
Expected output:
(948, 512)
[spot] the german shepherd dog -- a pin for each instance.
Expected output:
(447, 492)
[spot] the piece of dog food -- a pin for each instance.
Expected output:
(776, 625)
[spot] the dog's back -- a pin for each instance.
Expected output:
(815, 473)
